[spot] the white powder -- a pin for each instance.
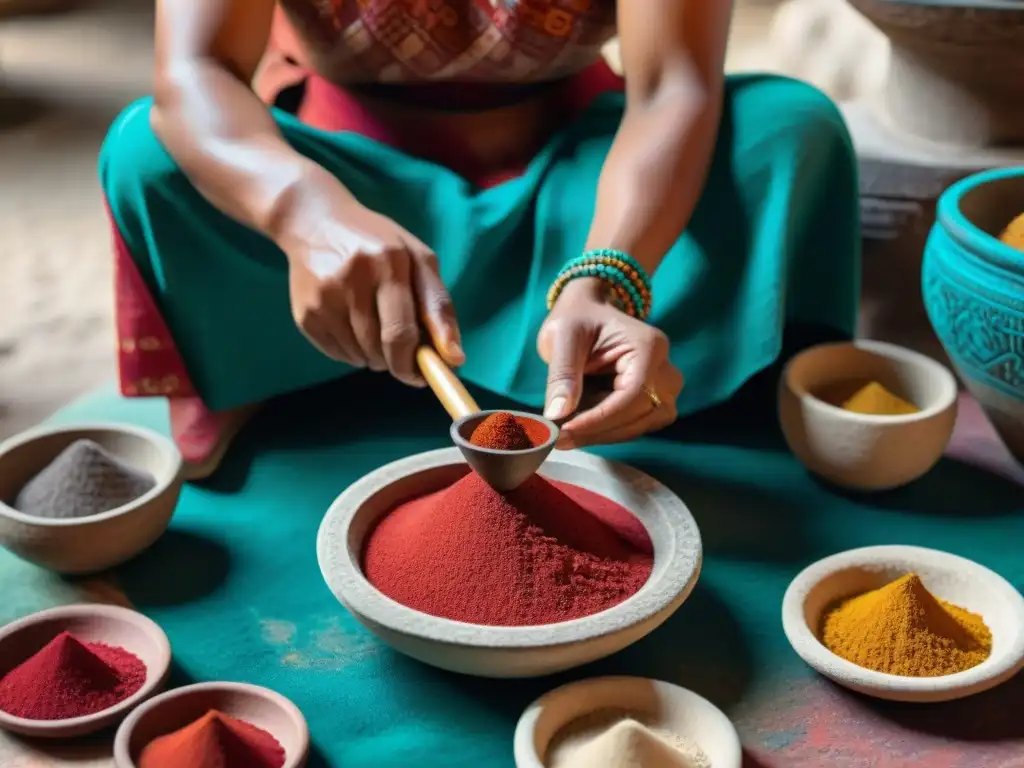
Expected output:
(618, 739)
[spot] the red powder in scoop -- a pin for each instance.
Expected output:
(504, 432)
(70, 678)
(215, 740)
(543, 553)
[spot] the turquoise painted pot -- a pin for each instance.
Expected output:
(974, 294)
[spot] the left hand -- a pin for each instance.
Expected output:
(585, 335)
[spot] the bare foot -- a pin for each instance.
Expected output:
(203, 436)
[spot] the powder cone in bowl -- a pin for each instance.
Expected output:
(84, 480)
(504, 650)
(542, 553)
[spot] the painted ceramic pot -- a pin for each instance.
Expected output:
(974, 294)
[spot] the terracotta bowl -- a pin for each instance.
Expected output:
(955, 579)
(858, 451)
(175, 709)
(94, 543)
(106, 624)
(681, 711)
(506, 652)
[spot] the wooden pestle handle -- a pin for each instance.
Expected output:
(445, 384)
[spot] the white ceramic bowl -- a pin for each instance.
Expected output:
(170, 711)
(681, 711)
(859, 451)
(955, 579)
(510, 651)
(98, 542)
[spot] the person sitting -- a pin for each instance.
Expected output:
(471, 172)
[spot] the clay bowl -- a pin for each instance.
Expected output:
(506, 652)
(175, 709)
(106, 624)
(98, 542)
(955, 579)
(681, 711)
(858, 451)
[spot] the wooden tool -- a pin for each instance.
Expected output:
(446, 385)
(503, 470)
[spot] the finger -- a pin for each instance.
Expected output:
(565, 346)
(436, 308)
(399, 328)
(667, 383)
(631, 371)
(659, 418)
(317, 334)
(366, 327)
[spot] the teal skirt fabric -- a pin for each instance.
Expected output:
(774, 240)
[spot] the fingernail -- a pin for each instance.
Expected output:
(455, 352)
(556, 408)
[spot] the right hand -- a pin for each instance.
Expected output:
(361, 286)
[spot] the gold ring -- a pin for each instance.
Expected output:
(652, 395)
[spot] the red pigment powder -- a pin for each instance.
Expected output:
(504, 432)
(543, 553)
(70, 678)
(215, 740)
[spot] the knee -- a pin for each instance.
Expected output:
(781, 108)
(132, 161)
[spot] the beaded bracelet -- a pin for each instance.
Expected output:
(627, 281)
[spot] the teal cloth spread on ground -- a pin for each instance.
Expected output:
(236, 585)
(774, 239)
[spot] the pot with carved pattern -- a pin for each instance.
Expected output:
(974, 293)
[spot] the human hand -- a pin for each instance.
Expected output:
(584, 335)
(361, 285)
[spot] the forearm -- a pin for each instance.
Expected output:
(655, 172)
(227, 143)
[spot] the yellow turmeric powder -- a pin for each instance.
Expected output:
(903, 629)
(876, 400)
(1013, 235)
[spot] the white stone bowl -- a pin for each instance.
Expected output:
(681, 711)
(94, 543)
(505, 652)
(955, 579)
(860, 451)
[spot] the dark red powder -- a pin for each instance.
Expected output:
(215, 740)
(70, 678)
(543, 553)
(502, 431)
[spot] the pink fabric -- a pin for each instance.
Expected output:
(334, 109)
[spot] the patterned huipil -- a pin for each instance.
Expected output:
(406, 41)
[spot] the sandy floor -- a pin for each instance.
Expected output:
(56, 337)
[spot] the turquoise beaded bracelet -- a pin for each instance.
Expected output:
(627, 281)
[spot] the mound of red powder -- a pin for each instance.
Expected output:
(543, 553)
(215, 740)
(504, 432)
(70, 678)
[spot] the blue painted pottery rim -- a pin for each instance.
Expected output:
(974, 238)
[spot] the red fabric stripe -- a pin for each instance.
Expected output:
(148, 360)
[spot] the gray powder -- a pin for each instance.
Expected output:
(84, 480)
